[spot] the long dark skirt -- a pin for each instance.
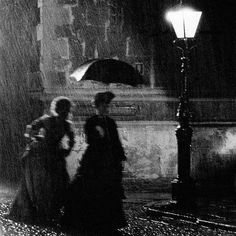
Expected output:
(89, 208)
(41, 192)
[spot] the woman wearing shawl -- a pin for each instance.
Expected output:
(44, 181)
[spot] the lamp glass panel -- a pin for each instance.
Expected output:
(184, 21)
(191, 20)
(176, 19)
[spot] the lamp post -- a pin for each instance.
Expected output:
(185, 21)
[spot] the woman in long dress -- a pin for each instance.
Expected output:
(95, 200)
(45, 180)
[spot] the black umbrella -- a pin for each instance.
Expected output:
(108, 71)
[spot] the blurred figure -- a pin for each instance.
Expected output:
(45, 180)
(95, 201)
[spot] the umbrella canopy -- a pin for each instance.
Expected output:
(108, 71)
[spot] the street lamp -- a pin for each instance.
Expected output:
(185, 22)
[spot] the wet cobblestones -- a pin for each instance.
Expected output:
(139, 224)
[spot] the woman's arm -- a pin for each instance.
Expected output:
(33, 130)
(117, 143)
(71, 136)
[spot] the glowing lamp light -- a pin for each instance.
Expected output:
(185, 21)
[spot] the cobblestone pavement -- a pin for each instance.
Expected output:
(138, 224)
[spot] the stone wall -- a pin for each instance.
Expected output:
(150, 149)
(146, 121)
(213, 154)
(136, 31)
(148, 137)
(71, 32)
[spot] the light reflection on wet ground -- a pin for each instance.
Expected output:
(139, 223)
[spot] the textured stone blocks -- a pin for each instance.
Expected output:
(66, 1)
(63, 31)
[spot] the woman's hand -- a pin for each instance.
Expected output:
(100, 131)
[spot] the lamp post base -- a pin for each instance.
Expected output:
(184, 193)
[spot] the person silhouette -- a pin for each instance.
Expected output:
(95, 201)
(44, 182)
